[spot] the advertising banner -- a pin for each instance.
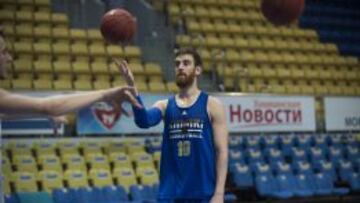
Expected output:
(342, 113)
(261, 113)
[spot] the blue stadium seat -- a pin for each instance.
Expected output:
(298, 154)
(302, 167)
(253, 142)
(63, 196)
(243, 177)
(11, 198)
(262, 169)
(320, 141)
(282, 168)
(352, 153)
(303, 141)
(254, 155)
(325, 186)
(304, 186)
(328, 169)
(115, 194)
(235, 155)
(355, 182)
(34, 197)
(287, 186)
(271, 141)
(335, 140)
(335, 154)
(345, 169)
(315, 154)
(142, 193)
(236, 142)
(265, 185)
(273, 155)
(287, 142)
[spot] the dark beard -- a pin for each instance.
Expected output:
(183, 81)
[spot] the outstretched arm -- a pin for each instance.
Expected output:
(13, 104)
(218, 119)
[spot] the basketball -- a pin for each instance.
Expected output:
(282, 12)
(118, 26)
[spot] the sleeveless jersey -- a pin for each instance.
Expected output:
(188, 164)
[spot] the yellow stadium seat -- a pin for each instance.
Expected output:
(23, 47)
(99, 68)
(297, 72)
(6, 166)
(61, 48)
(94, 35)
(62, 65)
(148, 176)
(44, 147)
(19, 148)
(132, 52)
(101, 84)
(83, 85)
(60, 33)
(125, 177)
(91, 147)
(76, 178)
(172, 87)
(115, 146)
(74, 162)
(98, 161)
(207, 27)
(193, 26)
(79, 48)
(268, 71)
(42, 48)
(43, 84)
(212, 42)
(43, 65)
(134, 146)
(24, 16)
(81, 66)
(22, 84)
(222, 28)
(101, 177)
(158, 86)
(24, 30)
(307, 89)
(153, 69)
(142, 159)
(67, 147)
(42, 33)
(7, 15)
(6, 187)
(50, 180)
(247, 56)
(293, 89)
(157, 158)
(25, 182)
(97, 49)
(115, 51)
(321, 90)
(78, 35)
(50, 162)
(120, 159)
(23, 65)
(62, 85)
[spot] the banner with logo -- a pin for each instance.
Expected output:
(342, 113)
(262, 113)
(103, 118)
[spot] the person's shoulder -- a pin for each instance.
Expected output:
(214, 101)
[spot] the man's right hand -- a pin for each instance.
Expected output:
(126, 72)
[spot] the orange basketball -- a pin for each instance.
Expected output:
(118, 26)
(282, 12)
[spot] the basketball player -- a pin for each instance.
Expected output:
(194, 150)
(18, 106)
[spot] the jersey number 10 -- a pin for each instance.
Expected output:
(184, 148)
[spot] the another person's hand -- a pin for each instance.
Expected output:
(118, 95)
(217, 198)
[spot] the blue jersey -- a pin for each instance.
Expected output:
(188, 155)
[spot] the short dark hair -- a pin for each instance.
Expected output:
(192, 52)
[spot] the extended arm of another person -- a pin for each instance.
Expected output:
(14, 104)
(217, 113)
(144, 118)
